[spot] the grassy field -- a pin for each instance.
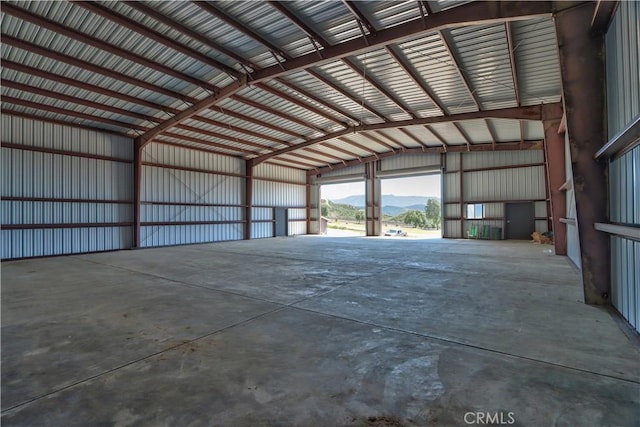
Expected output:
(346, 227)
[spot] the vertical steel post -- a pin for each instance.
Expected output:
(556, 175)
(308, 203)
(248, 197)
(461, 176)
(582, 70)
(137, 190)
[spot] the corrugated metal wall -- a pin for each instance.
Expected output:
(397, 163)
(65, 190)
(491, 179)
(623, 67)
(190, 196)
(623, 105)
(624, 173)
(573, 239)
(354, 170)
(278, 186)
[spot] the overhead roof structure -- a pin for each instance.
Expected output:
(303, 84)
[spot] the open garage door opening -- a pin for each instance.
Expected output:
(343, 209)
(411, 206)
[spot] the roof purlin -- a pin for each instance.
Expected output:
(485, 12)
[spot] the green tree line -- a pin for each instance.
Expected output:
(430, 217)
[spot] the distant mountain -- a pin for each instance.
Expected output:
(392, 210)
(389, 200)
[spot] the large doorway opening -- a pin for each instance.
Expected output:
(412, 206)
(342, 209)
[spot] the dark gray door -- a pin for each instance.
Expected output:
(520, 221)
(280, 226)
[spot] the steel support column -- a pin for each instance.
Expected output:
(248, 197)
(308, 204)
(137, 191)
(555, 169)
(582, 71)
(373, 194)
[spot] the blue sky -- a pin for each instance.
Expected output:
(427, 185)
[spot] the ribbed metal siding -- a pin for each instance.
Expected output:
(279, 194)
(538, 67)
(625, 278)
(354, 170)
(623, 66)
(622, 46)
(526, 183)
(573, 240)
(624, 181)
(624, 173)
(484, 52)
(56, 176)
(505, 184)
(164, 184)
(410, 161)
(502, 158)
(451, 187)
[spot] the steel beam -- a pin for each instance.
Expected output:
(85, 86)
(299, 103)
(51, 25)
(467, 14)
(512, 61)
(466, 138)
(156, 36)
(215, 11)
(360, 146)
(280, 6)
(503, 146)
(262, 123)
(223, 137)
(87, 66)
(412, 136)
(320, 153)
(392, 139)
(71, 113)
(76, 100)
(492, 132)
(439, 137)
(377, 86)
(141, 7)
(344, 93)
(535, 112)
(402, 62)
(233, 128)
(276, 113)
(340, 150)
(353, 8)
(602, 16)
(584, 100)
(10, 112)
(318, 100)
(208, 143)
(555, 165)
(377, 140)
(455, 60)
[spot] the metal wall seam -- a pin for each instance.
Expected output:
(67, 185)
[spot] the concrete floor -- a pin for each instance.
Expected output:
(312, 331)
